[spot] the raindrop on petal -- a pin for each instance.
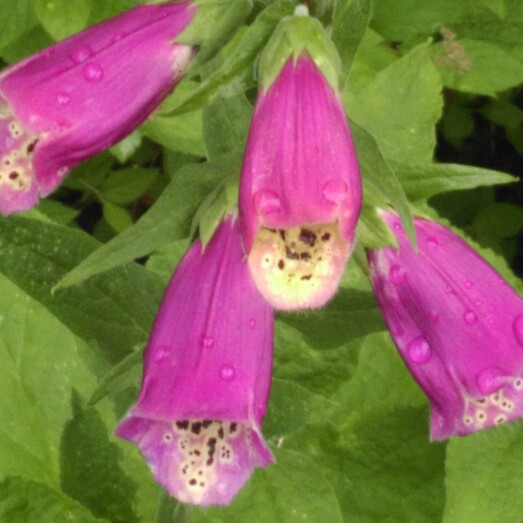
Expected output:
(81, 54)
(93, 72)
(334, 191)
(396, 274)
(419, 350)
(267, 202)
(252, 323)
(470, 317)
(161, 353)
(63, 98)
(432, 242)
(227, 373)
(207, 342)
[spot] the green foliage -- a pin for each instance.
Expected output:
(81, 275)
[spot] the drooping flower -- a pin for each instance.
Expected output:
(82, 95)
(300, 189)
(206, 377)
(457, 324)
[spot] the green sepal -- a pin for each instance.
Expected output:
(213, 25)
(293, 36)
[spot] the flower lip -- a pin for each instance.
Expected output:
(455, 323)
(206, 377)
(300, 171)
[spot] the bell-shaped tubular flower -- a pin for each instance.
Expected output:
(206, 377)
(457, 324)
(82, 95)
(300, 189)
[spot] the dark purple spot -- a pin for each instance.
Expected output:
(307, 237)
(183, 424)
(209, 462)
(192, 482)
(307, 277)
(220, 433)
(196, 427)
(13, 175)
(206, 423)
(281, 265)
(305, 256)
(282, 234)
(31, 147)
(211, 443)
(326, 237)
(291, 255)
(232, 427)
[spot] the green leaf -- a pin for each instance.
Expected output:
(166, 221)
(237, 66)
(116, 308)
(226, 123)
(484, 68)
(373, 233)
(423, 181)
(402, 20)
(24, 500)
(62, 18)
(117, 217)
(126, 185)
(350, 315)
(379, 175)
(483, 473)
(180, 133)
(40, 359)
(401, 106)
(15, 19)
(89, 467)
(294, 490)
(496, 6)
(374, 445)
(350, 22)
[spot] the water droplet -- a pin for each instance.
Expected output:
(419, 350)
(267, 202)
(470, 317)
(118, 36)
(62, 172)
(63, 98)
(93, 72)
(207, 342)
(469, 285)
(432, 242)
(396, 274)
(161, 353)
(490, 380)
(81, 54)
(478, 303)
(252, 323)
(434, 316)
(334, 191)
(397, 226)
(518, 329)
(227, 373)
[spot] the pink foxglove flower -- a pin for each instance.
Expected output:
(82, 95)
(206, 377)
(457, 324)
(300, 192)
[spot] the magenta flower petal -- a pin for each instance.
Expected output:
(206, 377)
(457, 325)
(300, 193)
(82, 95)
